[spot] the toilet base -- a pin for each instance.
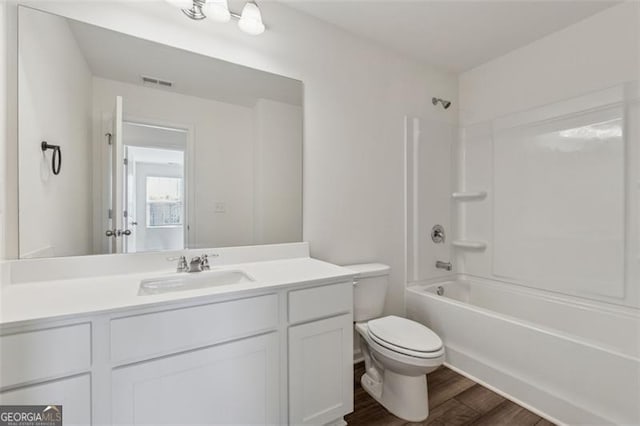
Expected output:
(403, 396)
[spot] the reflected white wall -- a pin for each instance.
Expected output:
(277, 171)
(55, 105)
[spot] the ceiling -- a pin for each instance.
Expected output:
(116, 56)
(455, 35)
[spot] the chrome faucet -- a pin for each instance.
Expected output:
(195, 265)
(444, 265)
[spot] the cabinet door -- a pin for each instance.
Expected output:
(321, 370)
(74, 394)
(233, 383)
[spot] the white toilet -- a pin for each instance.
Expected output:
(398, 352)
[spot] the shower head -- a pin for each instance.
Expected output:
(445, 104)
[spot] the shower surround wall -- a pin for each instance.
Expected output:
(570, 140)
(547, 228)
(551, 133)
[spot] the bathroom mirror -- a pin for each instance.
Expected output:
(155, 148)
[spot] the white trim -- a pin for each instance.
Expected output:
(190, 230)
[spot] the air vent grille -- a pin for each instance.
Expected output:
(153, 81)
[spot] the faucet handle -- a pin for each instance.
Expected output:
(204, 262)
(182, 263)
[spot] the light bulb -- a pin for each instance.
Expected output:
(181, 4)
(251, 19)
(218, 10)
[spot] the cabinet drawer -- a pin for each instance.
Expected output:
(145, 336)
(318, 302)
(44, 354)
(73, 393)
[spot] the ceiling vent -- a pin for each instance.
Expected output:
(153, 81)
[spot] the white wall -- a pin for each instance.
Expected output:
(222, 171)
(55, 105)
(3, 124)
(563, 73)
(356, 95)
(594, 54)
(277, 172)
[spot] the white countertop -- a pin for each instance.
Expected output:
(62, 298)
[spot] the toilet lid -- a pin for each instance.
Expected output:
(403, 333)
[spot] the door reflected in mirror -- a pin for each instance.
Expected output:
(162, 149)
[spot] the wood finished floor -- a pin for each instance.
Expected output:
(453, 400)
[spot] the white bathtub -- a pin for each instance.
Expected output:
(571, 361)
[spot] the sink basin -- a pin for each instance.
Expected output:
(192, 281)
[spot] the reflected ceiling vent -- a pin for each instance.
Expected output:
(153, 81)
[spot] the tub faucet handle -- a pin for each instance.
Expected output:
(437, 234)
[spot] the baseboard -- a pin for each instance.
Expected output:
(536, 400)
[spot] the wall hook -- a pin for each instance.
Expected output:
(57, 154)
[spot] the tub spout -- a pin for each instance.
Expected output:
(444, 265)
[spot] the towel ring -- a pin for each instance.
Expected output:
(56, 159)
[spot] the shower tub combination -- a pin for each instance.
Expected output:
(568, 360)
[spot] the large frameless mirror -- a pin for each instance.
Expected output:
(149, 147)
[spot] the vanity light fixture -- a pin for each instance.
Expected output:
(249, 21)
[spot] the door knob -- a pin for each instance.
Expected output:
(126, 232)
(110, 233)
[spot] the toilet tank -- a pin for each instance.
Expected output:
(369, 290)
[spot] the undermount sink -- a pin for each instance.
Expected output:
(192, 281)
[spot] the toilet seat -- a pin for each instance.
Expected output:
(404, 336)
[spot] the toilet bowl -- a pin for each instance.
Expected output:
(398, 352)
(395, 374)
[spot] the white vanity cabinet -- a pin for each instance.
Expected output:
(267, 356)
(321, 354)
(49, 366)
(201, 364)
(232, 383)
(73, 393)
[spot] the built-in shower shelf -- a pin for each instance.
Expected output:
(469, 244)
(469, 196)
